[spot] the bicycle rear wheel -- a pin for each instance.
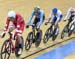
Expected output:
(29, 41)
(47, 35)
(38, 38)
(6, 50)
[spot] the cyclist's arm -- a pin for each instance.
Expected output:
(50, 16)
(67, 15)
(6, 25)
(30, 18)
(59, 16)
(73, 20)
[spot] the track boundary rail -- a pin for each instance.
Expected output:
(47, 47)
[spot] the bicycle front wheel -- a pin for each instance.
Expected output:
(47, 35)
(6, 50)
(28, 41)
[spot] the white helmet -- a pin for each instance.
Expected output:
(72, 9)
(12, 14)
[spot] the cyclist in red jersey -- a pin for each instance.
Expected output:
(14, 21)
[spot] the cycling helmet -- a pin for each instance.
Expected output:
(72, 9)
(11, 14)
(36, 9)
(54, 10)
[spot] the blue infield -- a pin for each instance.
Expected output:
(60, 52)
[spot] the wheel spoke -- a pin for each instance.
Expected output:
(5, 56)
(28, 41)
(5, 50)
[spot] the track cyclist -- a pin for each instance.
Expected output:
(14, 21)
(70, 16)
(55, 17)
(39, 18)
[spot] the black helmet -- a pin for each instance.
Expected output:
(36, 9)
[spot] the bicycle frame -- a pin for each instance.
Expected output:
(11, 43)
(51, 27)
(33, 30)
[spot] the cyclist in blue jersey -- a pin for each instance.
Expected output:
(55, 17)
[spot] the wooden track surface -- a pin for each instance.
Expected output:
(24, 7)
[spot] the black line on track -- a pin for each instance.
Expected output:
(47, 47)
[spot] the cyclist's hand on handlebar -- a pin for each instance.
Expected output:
(27, 26)
(46, 23)
(3, 35)
(64, 20)
(12, 34)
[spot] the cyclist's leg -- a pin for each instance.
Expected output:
(57, 25)
(54, 21)
(39, 21)
(72, 25)
(10, 30)
(11, 27)
(18, 36)
(69, 21)
(18, 44)
(57, 29)
(38, 28)
(36, 20)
